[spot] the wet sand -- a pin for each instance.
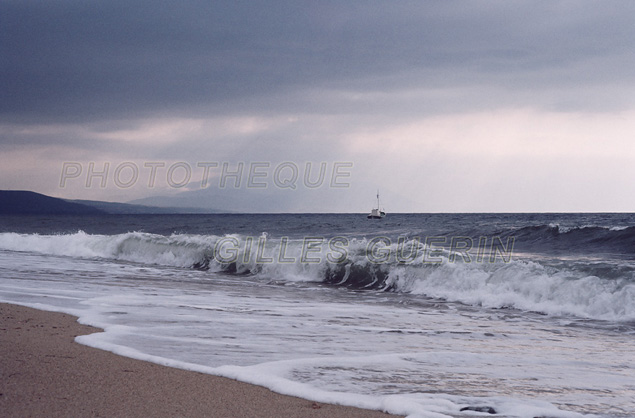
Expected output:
(44, 373)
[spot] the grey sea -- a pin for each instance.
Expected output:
(425, 315)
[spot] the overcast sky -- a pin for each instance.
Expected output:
(444, 106)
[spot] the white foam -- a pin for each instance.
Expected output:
(274, 376)
(523, 285)
(364, 349)
(519, 284)
(175, 250)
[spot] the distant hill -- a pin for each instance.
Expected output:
(21, 202)
(129, 208)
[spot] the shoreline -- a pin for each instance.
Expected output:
(44, 372)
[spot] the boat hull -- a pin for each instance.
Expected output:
(376, 213)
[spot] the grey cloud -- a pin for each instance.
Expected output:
(78, 61)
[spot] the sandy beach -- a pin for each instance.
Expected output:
(43, 372)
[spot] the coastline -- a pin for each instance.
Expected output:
(43, 372)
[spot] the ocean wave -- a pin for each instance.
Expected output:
(585, 238)
(368, 264)
(140, 247)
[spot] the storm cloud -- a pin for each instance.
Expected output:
(145, 80)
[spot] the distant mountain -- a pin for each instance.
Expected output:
(21, 202)
(130, 208)
(254, 200)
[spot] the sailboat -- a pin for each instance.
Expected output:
(376, 213)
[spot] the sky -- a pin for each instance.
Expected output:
(314, 106)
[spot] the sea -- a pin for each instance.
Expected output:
(422, 315)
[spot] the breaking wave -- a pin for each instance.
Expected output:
(380, 265)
